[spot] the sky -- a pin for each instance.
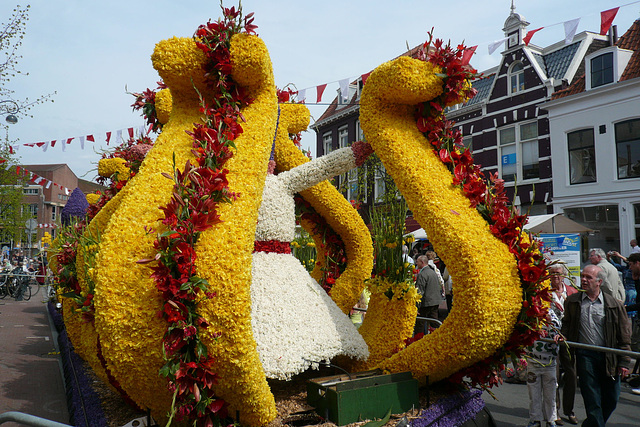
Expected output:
(91, 53)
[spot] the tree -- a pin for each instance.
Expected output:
(11, 36)
(13, 212)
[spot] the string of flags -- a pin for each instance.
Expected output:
(116, 137)
(570, 28)
(34, 177)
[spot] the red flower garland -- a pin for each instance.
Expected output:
(492, 203)
(192, 209)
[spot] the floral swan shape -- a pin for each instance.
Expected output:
(127, 301)
(488, 293)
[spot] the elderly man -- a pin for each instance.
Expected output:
(635, 249)
(429, 288)
(612, 284)
(594, 317)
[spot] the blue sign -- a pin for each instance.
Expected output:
(509, 159)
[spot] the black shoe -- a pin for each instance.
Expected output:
(572, 419)
(559, 422)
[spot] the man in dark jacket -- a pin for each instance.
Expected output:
(596, 318)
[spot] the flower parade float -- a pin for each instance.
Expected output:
(172, 310)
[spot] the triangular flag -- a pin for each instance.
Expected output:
(496, 44)
(119, 136)
(39, 144)
(302, 95)
(53, 143)
(81, 142)
(64, 146)
(364, 78)
(526, 39)
(48, 184)
(11, 149)
(91, 138)
(344, 89)
(468, 53)
(570, 28)
(130, 130)
(44, 147)
(108, 137)
(606, 19)
(66, 191)
(320, 90)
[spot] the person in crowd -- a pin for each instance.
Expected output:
(566, 369)
(405, 255)
(429, 288)
(596, 318)
(448, 288)
(633, 262)
(627, 280)
(612, 283)
(415, 253)
(635, 249)
(542, 376)
(432, 258)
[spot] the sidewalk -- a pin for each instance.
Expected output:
(30, 374)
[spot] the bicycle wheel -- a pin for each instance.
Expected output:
(3, 287)
(26, 290)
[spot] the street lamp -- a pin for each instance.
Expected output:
(10, 108)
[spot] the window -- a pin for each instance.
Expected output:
(343, 141)
(327, 143)
(33, 209)
(519, 142)
(516, 78)
(53, 213)
(379, 187)
(30, 191)
(628, 148)
(582, 156)
(602, 70)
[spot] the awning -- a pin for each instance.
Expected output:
(418, 234)
(554, 223)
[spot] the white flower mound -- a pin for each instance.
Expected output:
(295, 323)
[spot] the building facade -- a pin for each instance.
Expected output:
(595, 129)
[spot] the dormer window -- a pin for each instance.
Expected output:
(516, 78)
(605, 66)
(602, 70)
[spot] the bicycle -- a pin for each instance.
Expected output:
(16, 284)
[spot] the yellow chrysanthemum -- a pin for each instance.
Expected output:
(115, 167)
(93, 198)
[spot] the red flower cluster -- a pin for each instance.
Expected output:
(146, 101)
(491, 202)
(286, 95)
(198, 190)
(332, 244)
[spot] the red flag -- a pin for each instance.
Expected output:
(108, 137)
(130, 132)
(526, 39)
(40, 144)
(91, 138)
(53, 143)
(468, 53)
(69, 140)
(17, 170)
(606, 19)
(364, 77)
(11, 149)
(320, 89)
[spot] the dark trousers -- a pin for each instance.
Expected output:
(600, 392)
(568, 380)
(421, 325)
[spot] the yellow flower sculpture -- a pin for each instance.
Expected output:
(488, 293)
(337, 211)
(115, 166)
(126, 298)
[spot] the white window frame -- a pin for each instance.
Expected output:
(621, 58)
(517, 143)
(582, 154)
(327, 143)
(519, 75)
(53, 212)
(621, 174)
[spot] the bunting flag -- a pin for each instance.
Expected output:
(302, 95)
(47, 225)
(344, 89)
(493, 46)
(320, 90)
(364, 77)
(606, 19)
(526, 39)
(570, 28)
(468, 53)
(34, 177)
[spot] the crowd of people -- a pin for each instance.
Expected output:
(600, 311)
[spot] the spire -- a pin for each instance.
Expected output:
(513, 7)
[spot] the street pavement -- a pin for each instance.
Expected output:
(30, 372)
(512, 406)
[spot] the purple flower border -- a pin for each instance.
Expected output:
(451, 411)
(85, 409)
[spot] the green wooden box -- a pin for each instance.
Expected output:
(366, 395)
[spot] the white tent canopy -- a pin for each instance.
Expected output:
(418, 234)
(554, 223)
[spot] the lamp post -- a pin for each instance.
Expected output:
(10, 108)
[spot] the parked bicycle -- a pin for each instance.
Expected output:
(17, 284)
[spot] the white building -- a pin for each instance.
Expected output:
(594, 127)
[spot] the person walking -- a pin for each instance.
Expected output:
(429, 287)
(594, 317)
(612, 283)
